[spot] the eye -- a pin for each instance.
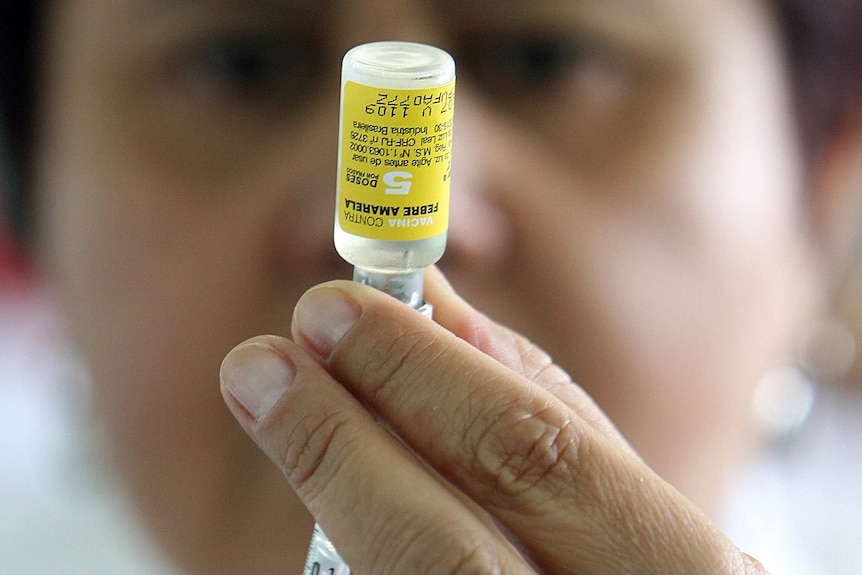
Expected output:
(249, 67)
(536, 60)
(532, 61)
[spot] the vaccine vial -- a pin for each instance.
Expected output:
(394, 163)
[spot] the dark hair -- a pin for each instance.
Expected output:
(823, 44)
(822, 38)
(18, 66)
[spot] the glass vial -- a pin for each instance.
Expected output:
(394, 163)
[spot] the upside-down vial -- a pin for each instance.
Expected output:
(394, 163)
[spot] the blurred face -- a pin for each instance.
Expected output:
(625, 193)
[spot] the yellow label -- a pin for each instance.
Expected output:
(396, 157)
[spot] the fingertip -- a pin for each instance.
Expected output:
(255, 375)
(323, 316)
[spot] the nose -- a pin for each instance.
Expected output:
(481, 233)
(363, 21)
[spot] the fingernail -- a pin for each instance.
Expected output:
(323, 315)
(256, 376)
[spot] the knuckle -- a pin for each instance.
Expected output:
(308, 445)
(538, 366)
(522, 450)
(475, 560)
(393, 358)
(533, 359)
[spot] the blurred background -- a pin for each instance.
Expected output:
(61, 511)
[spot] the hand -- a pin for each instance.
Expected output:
(455, 447)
